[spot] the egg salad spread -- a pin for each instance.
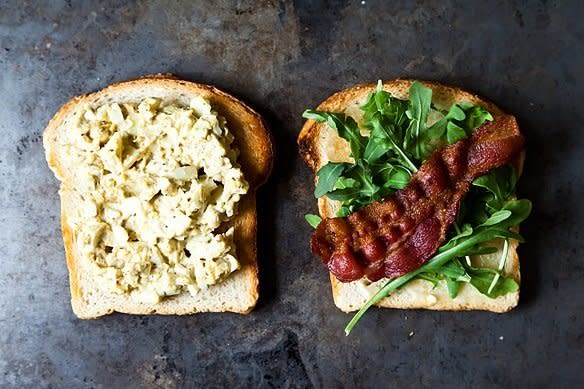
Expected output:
(152, 182)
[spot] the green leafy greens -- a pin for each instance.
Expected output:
(398, 140)
(313, 220)
(392, 140)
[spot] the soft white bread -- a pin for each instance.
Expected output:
(320, 144)
(237, 293)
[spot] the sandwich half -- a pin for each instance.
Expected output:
(158, 209)
(320, 144)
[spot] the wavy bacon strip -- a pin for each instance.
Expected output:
(399, 234)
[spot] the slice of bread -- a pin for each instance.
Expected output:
(239, 291)
(320, 144)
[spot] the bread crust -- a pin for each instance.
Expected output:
(239, 292)
(318, 144)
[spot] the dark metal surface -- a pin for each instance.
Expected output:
(282, 57)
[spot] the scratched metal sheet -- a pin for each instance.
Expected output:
(283, 57)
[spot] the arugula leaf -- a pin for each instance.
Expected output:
(520, 209)
(487, 281)
(345, 195)
(475, 116)
(482, 279)
(345, 126)
(379, 142)
(500, 183)
(391, 141)
(460, 120)
(456, 113)
(390, 111)
(362, 173)
(454, 270)
(328, 176)
(418, 108)
(431, 277)
(346, 183)
(376, 148)
(453, 287)
(497, 217)
(390, 176)
(466, 230)
(345, 210)
(454, 132)
(385, 135)
(482, 250)
(312, 219)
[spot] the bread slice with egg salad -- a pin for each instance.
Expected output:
(158, 209)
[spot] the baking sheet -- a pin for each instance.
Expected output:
(283, 57)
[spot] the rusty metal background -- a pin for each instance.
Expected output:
(283, 57)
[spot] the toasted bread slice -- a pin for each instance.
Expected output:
(239, 291)
(320, 144)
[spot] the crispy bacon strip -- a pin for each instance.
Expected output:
(399, 234)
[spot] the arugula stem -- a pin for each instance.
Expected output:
(405, 158)
(389, 287)
(502, 262)
(466, 257)
(437, 261)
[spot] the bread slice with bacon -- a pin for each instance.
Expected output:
(319, 144)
